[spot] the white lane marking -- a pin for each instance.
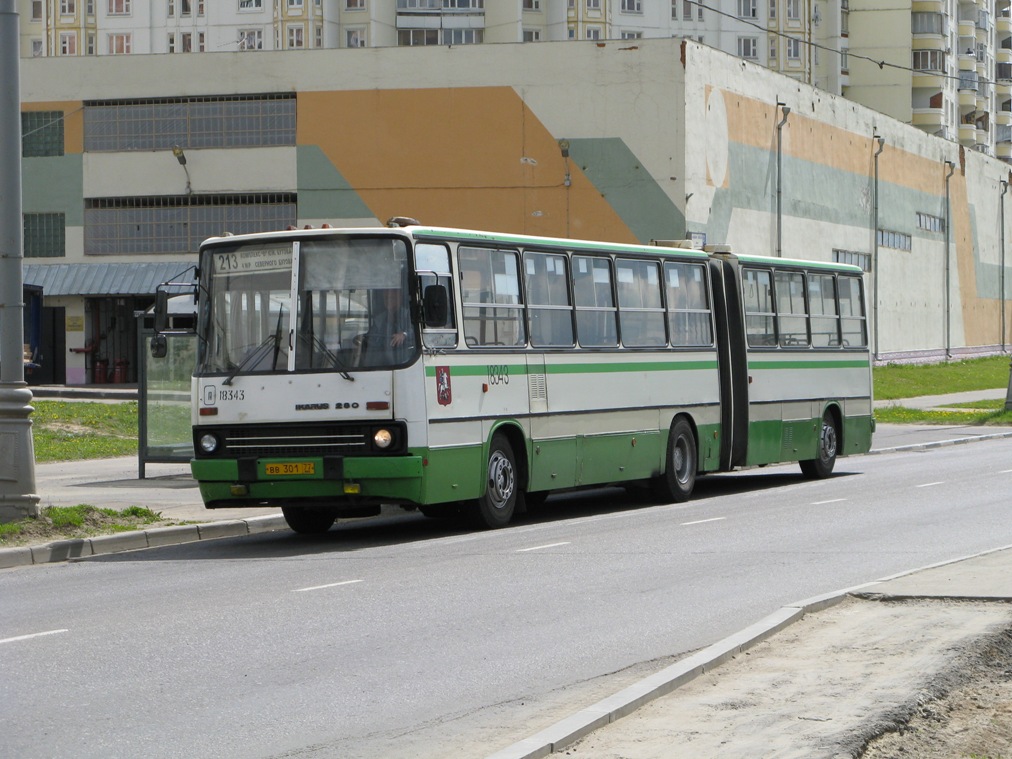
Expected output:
(33, 635)
(538, 548)
(931, 484)
(1005, 471)
(703, 521)
(330, 585)
(833, 500)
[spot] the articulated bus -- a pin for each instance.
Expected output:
(454, 370)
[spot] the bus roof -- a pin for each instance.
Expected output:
(551, 243)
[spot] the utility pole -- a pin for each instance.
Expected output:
(17, 452)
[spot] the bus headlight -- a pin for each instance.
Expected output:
(382, 438)
(208, 443)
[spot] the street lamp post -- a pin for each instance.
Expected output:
(17, 453)
(875, 270)
(948, 217)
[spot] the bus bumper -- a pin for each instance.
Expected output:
(346, 481)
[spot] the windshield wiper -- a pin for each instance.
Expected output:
(330, 357)
(257, 353)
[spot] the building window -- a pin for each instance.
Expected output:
(296, 36)
(748, 47)
(632, 6)
(172, 8)
(172, 42)
(852, 257)
(68, 43)
(747, 8)
(793, 10)
(793, 49)
(532, 5)
(200, 42)
(36, 10)
(91, 44)
(355, 38)
(187, 42)
(844, 62)
(251, 39)
(593, 32)
(593, 5)
(251, 5)
(773, 10)
(632, 35)
(178, 224)
(773, 48)
(896, 240)
(119, 44)
(41, 133)
(89, 7)
(930, 223)
(37, 48)
(930, 60)
(463, 36)
(318, 35)
(417, 37)
(198, 122)
(45, 235)
(68, 7)
(119, 7)
(295, 4)
(185, 7)
(200, 7)
(532, 35)
(354, 5)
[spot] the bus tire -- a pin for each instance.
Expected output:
(679, 477)
(308, 521)
(502, 487)
(822, 465)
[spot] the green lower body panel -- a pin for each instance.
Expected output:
(857, 434)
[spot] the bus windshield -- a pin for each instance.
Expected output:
(349, 309)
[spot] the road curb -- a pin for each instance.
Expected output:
(940, 443)
(628, 700)
(134, 540)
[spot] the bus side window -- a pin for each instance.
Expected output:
(758, 296)
(548, 307)
(490, 290)
(791, 310)
(825, 316)
(433, 263)
(639, 301)
(852, 322)
(688, 309)
(595, 305)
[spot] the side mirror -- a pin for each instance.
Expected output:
(161, 313)
(435, 306)
(159, 346)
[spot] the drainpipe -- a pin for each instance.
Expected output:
(786, 111)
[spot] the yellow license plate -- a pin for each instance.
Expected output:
(286, 468)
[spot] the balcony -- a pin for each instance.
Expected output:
(968, 134)
(930, 119)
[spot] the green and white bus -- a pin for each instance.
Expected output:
(447, 369)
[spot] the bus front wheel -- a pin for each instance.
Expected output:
(497, 504)
(679, 477)
(821, 467)
(308, 521)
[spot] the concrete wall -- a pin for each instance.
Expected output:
(623, 141)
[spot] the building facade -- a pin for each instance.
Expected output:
(130, 163)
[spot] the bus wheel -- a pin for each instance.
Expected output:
(496, 506)
(821, 467)
(679, 477)
(308, 521)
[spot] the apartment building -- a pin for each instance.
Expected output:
(944, 66)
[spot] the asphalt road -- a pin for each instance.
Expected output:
(408, 638)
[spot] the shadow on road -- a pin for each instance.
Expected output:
(413, 527)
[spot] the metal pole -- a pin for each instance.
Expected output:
(17, 452)
(875, 273)
(786, 111)
(948, 216)
(1001, 241)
